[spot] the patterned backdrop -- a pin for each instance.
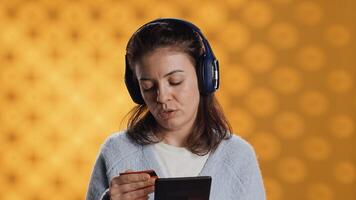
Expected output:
(288, 87)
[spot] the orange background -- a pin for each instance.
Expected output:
(288, 87)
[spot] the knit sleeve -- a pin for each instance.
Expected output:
(98, 184)
(251, 178)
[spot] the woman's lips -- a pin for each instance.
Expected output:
(167, 114)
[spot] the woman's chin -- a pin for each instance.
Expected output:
(170, 125)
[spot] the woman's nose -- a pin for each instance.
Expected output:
(163, 95)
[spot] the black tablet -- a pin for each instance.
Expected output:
(184, 188)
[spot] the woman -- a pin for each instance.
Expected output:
(177, 128)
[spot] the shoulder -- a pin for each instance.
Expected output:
(240, 162)
(118, 146)
(236, 144)
(236, 151)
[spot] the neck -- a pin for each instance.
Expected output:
(175, 137)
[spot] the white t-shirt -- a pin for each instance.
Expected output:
(178, 161)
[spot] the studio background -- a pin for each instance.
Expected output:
(287, 86)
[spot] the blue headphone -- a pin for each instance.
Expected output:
(207, 65)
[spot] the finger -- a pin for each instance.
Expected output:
(128, 178)
(132, 178)
(154, 179)
(114, 179)
(124, 188)
(138, 193)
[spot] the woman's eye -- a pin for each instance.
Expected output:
(175, 82)
(147, 87)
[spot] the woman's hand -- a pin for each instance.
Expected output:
(131, 186)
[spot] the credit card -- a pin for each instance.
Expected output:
(152, 173)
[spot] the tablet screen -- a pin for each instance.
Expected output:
(183, 188)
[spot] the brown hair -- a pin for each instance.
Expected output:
(211, 125)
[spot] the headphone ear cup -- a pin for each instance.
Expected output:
(207, 71)
(132, 85)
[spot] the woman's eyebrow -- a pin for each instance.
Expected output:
(169, 73)
(172, 72)
(144, 79)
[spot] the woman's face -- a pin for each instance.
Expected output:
(169, 86)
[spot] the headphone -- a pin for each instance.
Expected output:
(207, 65)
